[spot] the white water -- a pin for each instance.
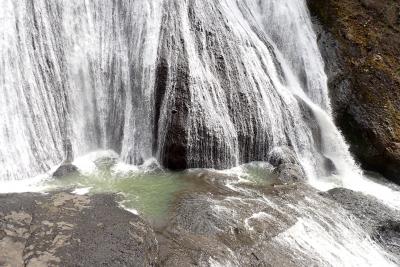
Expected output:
(346, 246)
(79, 76)
(75, 75)
(31, 110)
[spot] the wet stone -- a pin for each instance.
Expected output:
(287, 166)
(62, 229)
(66, 169)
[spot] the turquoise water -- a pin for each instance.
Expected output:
(151, 192)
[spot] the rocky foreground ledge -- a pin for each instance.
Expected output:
(64, 229)
(210, 224)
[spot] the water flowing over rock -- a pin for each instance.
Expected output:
(192, 83)
(225, 222)
(381, 222)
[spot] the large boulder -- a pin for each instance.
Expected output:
(360, 42)
(282, 155)
(289, 173)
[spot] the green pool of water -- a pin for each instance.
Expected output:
(150, 193)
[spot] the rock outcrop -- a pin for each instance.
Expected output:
(360, 41)
(63, 229)
(66, 169)
(287, 167)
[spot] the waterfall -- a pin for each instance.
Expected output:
(33, 89)
(194, 83)
(76, 76)
(185, 84)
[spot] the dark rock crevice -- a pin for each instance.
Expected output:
(172, 95)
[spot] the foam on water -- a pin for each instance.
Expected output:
(346, 246)
(87, 163)
(22, 186)
(82, 191)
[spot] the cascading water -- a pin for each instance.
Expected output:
(33, 84)
(193, 83)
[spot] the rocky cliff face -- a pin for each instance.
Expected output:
(360, 41)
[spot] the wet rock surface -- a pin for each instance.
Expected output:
(360, 42)
(222, 220)
(63, 229)
(287, 166)
(215, 228)
(290, 173)
(66, 169)
(382, 222)
(230, 226)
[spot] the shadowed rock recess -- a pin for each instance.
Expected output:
(360, 41)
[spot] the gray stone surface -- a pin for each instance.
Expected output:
(63, 229)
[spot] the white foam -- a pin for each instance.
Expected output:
(343, 245)
(122, 169)
(133, 211)
(82, 191)
(35, 184)
(22, 186)
(86, 163)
